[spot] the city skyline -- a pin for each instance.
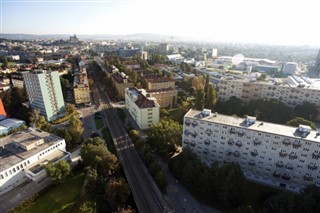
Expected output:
(273, 22)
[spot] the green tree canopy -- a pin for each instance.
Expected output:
(298, 120)
(199, 102)
(307, 111)
(117, 192)
(75, 129)
(94, 153)
(58, 172)
(165, 135)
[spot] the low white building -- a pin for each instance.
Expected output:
(175, 58)
(9, 124)
(143, 108)
(277, 155)
(24, 154)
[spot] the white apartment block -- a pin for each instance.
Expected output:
(24, 154)
(289, 68)
(142, 107)
(293, 92)
(45, 93)
(273, 154)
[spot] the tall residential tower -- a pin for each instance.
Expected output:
(44, 93)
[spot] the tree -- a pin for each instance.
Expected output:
(307, 111)
(233, 185)
(161, 180)
(88, 207)
(95, 154)
(75, 129)
(58, 172)
(211, 97)
(70, 108)
(65, 85)
(63, 133)
(298, 120)
(117, 192)
(39, 121)
(282, 202)
(199, 102)
(165, 135)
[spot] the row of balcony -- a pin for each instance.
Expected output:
(278, 175)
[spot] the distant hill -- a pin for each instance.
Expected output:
(137, 36)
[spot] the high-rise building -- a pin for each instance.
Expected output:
(289, 68)
(316, 67)
(277, 155)
(45, 93)
(214, 53)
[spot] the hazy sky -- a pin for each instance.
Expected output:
(295, 22)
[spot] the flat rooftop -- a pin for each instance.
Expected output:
(11, 153)
(260, 126)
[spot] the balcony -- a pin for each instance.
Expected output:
(293, 156)
(207, 142)
(316, 155)
(285, 177)
(256, 142)
(186, 141)
(289, 166)
(236, 154)
(193, 144)
(254, 153)
(312, 166)
(241, 133)
(286, 142)
(206, 151)
(194, 123)
(296, 144)
(252, 163)
(194, 134)
(229, 153)
(238, 143)
(283, 154)
(187, 122)
(231, 142)
(276, 175)
(232, 131)
(208, 132)
(186, 132)
(279, 164)
(307, 178)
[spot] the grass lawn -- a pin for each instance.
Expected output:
(61, 198)
(99, 123)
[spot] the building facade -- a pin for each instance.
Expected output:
(289, 68)
(24, 154)
(144, 109)
(293, 92)
(17, 79)
(121, 81)
(44, 93)
(81, 87)
(163, 89)
(273, 154)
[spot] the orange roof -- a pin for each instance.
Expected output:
(2, 111)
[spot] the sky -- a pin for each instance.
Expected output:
(295, 22)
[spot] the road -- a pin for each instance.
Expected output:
(147, 195)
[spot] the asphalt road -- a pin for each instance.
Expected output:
(146, 194)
